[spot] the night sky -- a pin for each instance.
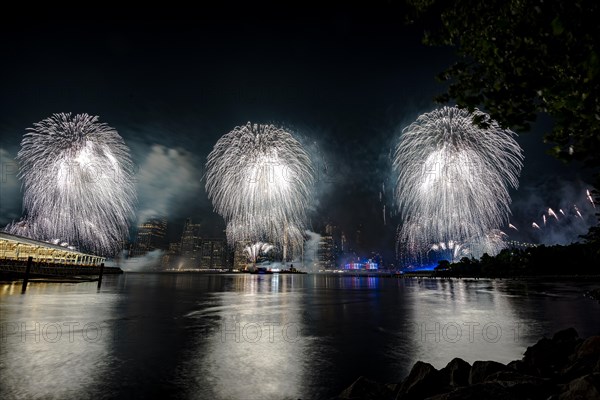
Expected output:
(345, 80)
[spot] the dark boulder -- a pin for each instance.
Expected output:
(584, 388)
(590, 348)
(482, 369)
(367, 389)
(518, 365)
(456, 373)
(523, 386)
(584, 360)
(487, 391)
(568, 335)
(548, 357)
(422, 381)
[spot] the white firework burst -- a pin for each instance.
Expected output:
(255, 250)
(259, 179)
(78, 183)
(491, 243)
(453, 178)
(452, 250)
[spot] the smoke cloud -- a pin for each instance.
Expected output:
(166, 180)
(311, 247)
(148, 262)
(10, 196)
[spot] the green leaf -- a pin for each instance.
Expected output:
(557, 27)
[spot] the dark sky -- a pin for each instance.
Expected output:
(345, 79)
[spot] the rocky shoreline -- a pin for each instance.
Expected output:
(561, 368)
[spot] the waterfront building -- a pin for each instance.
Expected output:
(14, 248)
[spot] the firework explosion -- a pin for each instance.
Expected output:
(254, 251)
(259, 179)
(452, 250)
(78, 183)
(452, 180)
(491, 243)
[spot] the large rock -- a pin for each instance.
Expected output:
(523, 386)
(548, 357)
(538, 358)
(584, 360)
(585, 388)
(422, 381)
(456, 373)
(367, 389)
(568, 335)
(590, 348)
(518, 365)
(509, 378)
(487, 391)
(482, 369)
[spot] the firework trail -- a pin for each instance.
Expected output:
(589, 197)
(453, 178)
(577, 211)
(255, 250)
(569, 223)
(513, 227)
(259, 179)
(78, 183)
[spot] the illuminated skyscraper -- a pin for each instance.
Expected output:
(171, 257)
(191, 245)
(326, 253)
(213, 254)
(240, 259)
(150, 236)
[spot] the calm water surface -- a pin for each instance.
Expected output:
(264, 337)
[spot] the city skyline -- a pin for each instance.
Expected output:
(193, 249)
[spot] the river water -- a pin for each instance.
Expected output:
(197, 336)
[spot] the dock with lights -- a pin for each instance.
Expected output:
(47, 259)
